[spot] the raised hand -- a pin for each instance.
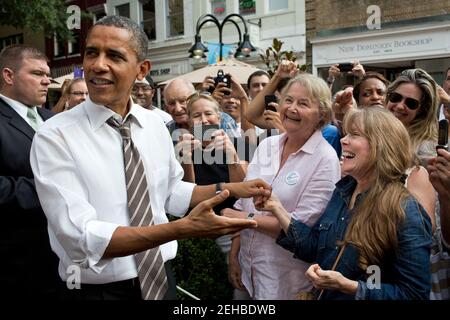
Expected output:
(287, 69)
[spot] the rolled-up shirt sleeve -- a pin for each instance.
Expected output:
(63, 195)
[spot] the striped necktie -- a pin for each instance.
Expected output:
(151, 272)
(32, 116)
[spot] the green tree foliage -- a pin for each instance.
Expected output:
(201, 269)
(49, 16)
(274, 55)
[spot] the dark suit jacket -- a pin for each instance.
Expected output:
(28, 267)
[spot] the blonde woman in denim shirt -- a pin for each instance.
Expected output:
(380, 224)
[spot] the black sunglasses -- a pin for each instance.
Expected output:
(396, 97)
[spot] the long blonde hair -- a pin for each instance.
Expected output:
(373, 226)
(424, 126)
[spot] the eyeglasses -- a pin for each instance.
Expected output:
(79, 93)
(136, 89)
(396, 97)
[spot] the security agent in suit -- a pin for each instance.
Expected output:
(29, 268)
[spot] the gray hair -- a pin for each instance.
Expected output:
(180, 82)
(138, 37)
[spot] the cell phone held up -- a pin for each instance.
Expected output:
(443, 135)
(345, 67)
(224, 78)
(268, 99)
(204, 132)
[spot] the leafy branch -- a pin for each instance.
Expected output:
(273, 56)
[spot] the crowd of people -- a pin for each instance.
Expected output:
(307, 194)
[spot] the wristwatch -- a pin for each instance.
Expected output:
(251, 216)
(219, 187)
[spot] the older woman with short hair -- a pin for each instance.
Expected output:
(302, 168)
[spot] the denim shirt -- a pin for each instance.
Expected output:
(405, 273)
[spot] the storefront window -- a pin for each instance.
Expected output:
(275, 5)
(148, 22)
(175, 19)
(123, 10)
(219, 8)
(73, 47)
(247, 7)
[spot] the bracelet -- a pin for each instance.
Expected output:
(219, 187)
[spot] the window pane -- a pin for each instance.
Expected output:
(278, 5)
(175, 19)
(123, 10)
(148, 22)
(98, 16)
(219, 8)
(247, 7)
(74, 48)
(58, 47)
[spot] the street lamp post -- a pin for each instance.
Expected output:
(244, 47)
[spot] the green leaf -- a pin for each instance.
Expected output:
(48, 16)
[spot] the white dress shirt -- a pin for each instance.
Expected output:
(77, 162)
(304, 186)
(164, 115)
(22, 110)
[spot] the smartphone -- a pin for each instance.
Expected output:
(443, 135)
(204, 132)
(270, 98)
(345, 67)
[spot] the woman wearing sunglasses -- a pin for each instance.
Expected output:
(412, 98)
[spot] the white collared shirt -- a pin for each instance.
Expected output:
(22, 110)
(78, 167)
(164, 115)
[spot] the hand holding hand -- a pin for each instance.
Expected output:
(249, 189)
(271, 204)
(203, 222)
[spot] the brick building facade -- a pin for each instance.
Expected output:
(412, 34)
